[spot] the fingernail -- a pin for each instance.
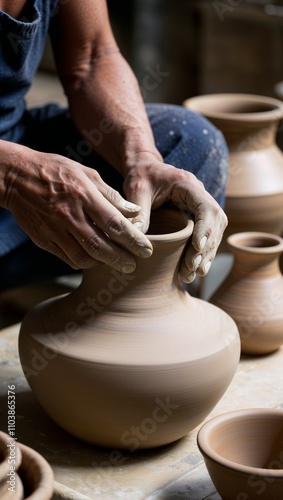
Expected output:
(207, 267)
(145, 252)
(131, 206)
(128, 268)
(197, 261)
(138, 225)
(202, 242)
(190, 277)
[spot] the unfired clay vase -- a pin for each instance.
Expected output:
(252, 293)
(243, 452)
(131, 361)
(254, 198)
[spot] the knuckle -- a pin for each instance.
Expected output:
(113, 196)
(115, 225)
(93, 245)
(94, 176)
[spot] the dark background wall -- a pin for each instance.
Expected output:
(186, 47)
(181, 48)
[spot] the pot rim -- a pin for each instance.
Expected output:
(239, 242)
(4, 466)
(45, 476)
(179, 235)
(208, 452)
(273, 114)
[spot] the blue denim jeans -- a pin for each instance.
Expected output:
(184, 139)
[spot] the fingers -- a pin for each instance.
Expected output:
(196, 263)
(91, 251)
(210, 222)
(127, 208)
(118, 228)
(206, 240)
(98, 246)
(139, 190)
(113, 240)
(138, 209)
(142, 220)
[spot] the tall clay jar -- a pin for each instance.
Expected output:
(131, 361)
(252, 293)
(254, 198)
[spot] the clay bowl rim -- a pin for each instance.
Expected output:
(4, 466)
(183, 233)
(45, 483)
(215, 422)
(237, 241)
(276, 111)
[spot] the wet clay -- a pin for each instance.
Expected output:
(131, 361)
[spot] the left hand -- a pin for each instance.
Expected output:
(150, 183)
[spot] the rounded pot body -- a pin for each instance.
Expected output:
(252, 293)
(254, 197)
(131, 361)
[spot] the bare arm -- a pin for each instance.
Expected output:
(68, 210)
(99, 83)
(100, 86)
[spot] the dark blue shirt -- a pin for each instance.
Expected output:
(22, 43)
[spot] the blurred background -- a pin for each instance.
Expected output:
(182, 48)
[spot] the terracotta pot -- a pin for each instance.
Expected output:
(13, 490)
(5, 454)
(252, 293)
(36, 475)
(33, 479)
(131, 361)
(243, 452)
(254, 198)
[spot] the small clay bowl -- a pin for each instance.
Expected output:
(8, 454)
(243, 453)
(13, 490)
(36, 475)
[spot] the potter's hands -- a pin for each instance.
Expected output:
(69, 211)
(151, 183)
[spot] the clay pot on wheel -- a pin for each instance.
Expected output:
(252, 293)
(131, 361)
(254, 198)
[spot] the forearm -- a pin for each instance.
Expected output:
(108, 100)
(11, 161)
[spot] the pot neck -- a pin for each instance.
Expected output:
(153, 276)
(256, 253)
(242, 136)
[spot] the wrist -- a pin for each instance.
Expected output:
(139, 149)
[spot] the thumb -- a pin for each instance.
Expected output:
(141, 197)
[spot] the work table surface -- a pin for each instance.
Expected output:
(82, 471)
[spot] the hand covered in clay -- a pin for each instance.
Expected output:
(151, 183)
(68, 210)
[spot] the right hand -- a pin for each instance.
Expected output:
(69, 211)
